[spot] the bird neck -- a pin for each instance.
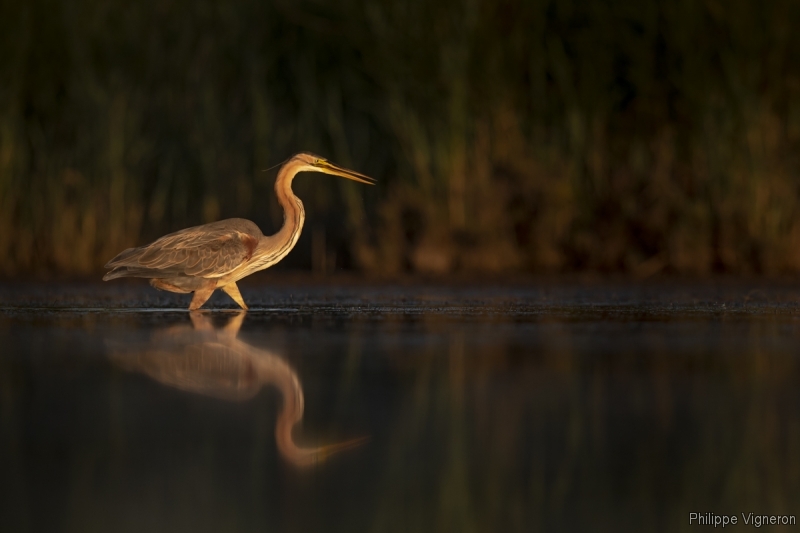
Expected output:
(281, 375)
(275, 370)
(290, 415)
(293, 213)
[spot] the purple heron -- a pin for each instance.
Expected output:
(213, 362)
(217, 255)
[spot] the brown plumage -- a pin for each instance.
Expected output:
(216, 255)
(212, 361)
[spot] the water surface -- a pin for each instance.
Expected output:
(550, 407)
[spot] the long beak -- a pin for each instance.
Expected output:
(330, 168)
(323, 453)
(326, 451)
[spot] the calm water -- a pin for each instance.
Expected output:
(611, 407)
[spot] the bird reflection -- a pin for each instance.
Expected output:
(213, 362)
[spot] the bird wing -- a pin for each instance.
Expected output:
(206, 251)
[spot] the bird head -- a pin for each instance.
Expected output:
(315, 163)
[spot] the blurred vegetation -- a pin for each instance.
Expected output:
(509, 136)
(613, 438)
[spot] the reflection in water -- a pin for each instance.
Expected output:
(213, 362)
(595, 422)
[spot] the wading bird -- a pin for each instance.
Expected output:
(213, 362)
(217, 255)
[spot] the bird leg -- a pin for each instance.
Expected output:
(231, 329)
(201, 295)
(201, 321)
(233, 291)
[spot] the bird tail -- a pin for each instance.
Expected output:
(123, 257)
(124, 265)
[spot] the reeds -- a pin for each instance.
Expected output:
(537, 136)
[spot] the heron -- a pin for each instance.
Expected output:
(211, 361)
(202, 259)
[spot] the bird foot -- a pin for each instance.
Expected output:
(233, 291)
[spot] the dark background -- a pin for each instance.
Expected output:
(507, 136)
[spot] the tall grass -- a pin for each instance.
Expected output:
(535, 136)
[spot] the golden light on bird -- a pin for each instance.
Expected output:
(212, 361)
(214, 256)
